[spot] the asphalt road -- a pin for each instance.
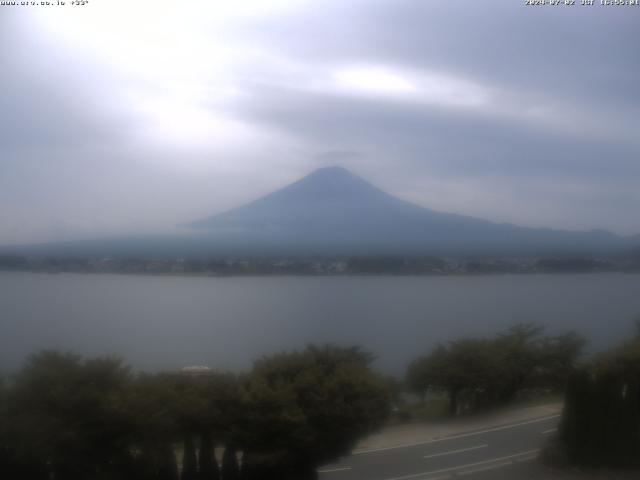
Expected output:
(502, 452)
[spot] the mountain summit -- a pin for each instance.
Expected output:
(315, 199)
(334, 211)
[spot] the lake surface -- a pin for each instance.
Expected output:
(170, 322)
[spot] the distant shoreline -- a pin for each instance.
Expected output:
(312, 275)
(322, 266)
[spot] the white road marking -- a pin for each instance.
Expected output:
(527, 459)
(331, 470)
(462, 467)
(451, 452)
(551, 430)
(484, 469)
(453, 437)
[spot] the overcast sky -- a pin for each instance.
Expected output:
(126, 116)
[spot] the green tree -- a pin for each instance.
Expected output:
(189, 460)
(427, 372)
(230, 467)
(151, 404)
(477, 372)
(309, 407)
(70, 415)
(558, 359)
(601, 420)
(16, 458)
(574, 429)
(171, 407)
(466, 368)
(207, 465)
(165, 464)
(222, 405)
(518, 352)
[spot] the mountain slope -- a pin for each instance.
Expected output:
(334, 212)
(332, 209)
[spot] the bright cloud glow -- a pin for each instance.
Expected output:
(373, 80)
(185, 96)
(177, 60)
(453, 91)
(425, 87)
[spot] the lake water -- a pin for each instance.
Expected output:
(169, 322)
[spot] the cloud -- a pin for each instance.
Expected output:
(115, 123)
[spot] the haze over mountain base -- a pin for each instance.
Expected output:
(334, 212)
